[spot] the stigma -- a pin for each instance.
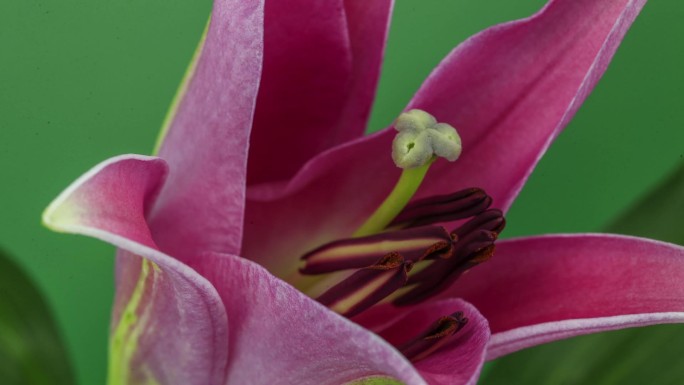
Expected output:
(421, 138)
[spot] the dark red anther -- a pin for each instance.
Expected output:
(443, 208)
(367, 286)
(463, 250)
(472, 243)
(476, 248)
(383, 261)
(492, 220)
(413, 244)
(436, 336)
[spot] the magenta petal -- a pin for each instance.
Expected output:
(184, 328)
(508, 90)
(321, 67)
(458, 362)
(202, 204)
(280, 336)
(511, 89)
(368, 25)
(540, 289)
(328, 200)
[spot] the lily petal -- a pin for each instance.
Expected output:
(540, 289)
(509, 90)
(184, 337)
(280, 336)
(175, 328)
(202, 204)
(321, 67)
(112, 198)
(458, 362)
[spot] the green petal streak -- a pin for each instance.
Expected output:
(189, 72)
(376, 380)
(123, 342)
(406, 187)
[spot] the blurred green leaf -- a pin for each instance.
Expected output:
(376, 380)
(651, 355)
(31, 351)
(660, 215)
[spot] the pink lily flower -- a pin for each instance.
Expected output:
(263, 161)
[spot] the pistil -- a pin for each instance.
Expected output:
(403, 191)
(421, 139)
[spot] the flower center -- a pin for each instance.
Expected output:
(400, 255)
(413, 261)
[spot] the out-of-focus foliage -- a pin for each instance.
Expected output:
(651, 355)
(31, 351)
(660, 215)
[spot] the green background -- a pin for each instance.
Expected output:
(83, 80)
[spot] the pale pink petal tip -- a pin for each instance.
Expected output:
(181, 326)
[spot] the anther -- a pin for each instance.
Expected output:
(492, 220)
(436, 336)
(421, 138)
(464, 250)
(354, 253)
(473, 243)
(367, 286)
(470, 251)
(443, 208)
